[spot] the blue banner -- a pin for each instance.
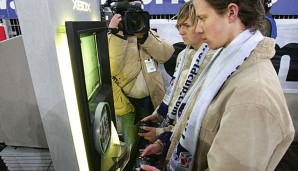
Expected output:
(163, 6)
(159, 6)
(7, 9)
(284, 7)
(281, 7)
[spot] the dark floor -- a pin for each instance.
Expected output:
(2, 165)
(290, 160)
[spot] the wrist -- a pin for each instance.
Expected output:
(160, 144)
(113, 30)
(142, 39)
(117, 33)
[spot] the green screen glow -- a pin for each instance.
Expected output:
(91, 65)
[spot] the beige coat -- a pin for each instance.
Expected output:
(127, 59)
(248, 125)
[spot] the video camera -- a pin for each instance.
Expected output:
(134, 18)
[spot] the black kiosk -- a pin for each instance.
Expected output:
(88, 47)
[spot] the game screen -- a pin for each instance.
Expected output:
(90, 62)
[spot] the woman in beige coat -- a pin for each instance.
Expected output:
(237, 118)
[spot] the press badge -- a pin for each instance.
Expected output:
(150, 65)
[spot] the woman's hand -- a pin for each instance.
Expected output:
(148, 168)
(152, 149)
(150, 133)
(150, 118)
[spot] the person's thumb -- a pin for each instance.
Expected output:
(146, 128)
(148, 168)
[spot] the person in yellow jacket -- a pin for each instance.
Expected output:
(138, 85)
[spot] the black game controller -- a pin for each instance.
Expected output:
(148, 124)
(152, 160)
(141, 124)
(140, 161)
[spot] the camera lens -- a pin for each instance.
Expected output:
(136, 22)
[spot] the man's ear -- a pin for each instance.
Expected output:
(233, 11)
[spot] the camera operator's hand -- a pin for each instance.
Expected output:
(150, 134)
(148, 168)
(116, 19)
(139, 35)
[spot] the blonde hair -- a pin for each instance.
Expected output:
(187, 11)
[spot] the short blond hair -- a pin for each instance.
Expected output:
(187, 11)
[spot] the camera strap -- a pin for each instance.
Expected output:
(113, 30)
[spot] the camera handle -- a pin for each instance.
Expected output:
(113, 30)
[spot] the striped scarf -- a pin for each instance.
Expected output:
(194, 68)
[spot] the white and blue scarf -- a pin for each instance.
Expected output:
(221, 67)
(194, 68)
